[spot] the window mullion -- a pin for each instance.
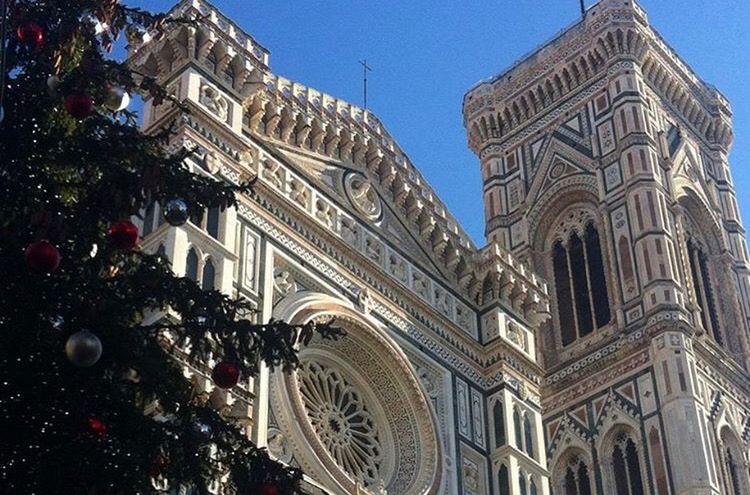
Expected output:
(572, 290)
(588, 279)
(701, 292)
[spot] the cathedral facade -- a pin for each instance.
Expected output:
(597, 344)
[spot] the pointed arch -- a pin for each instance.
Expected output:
(498, 419)
(191, 265)
(208, 276)
(503, 480)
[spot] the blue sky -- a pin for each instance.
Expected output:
(425, 54)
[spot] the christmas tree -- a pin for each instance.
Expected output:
(95, 333)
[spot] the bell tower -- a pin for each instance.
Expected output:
(604, 161)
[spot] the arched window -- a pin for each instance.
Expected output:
(580, 284)
(575, 478)
(627, 468)
(522, 484)
(517, 428)
(528, 432)
(703, 291)
(148, 218)
(208, 278)
(564, 294)
(732, 460)
(191, 265)
(212, 223)
(498, 416)
(532, 487)
(197, 219)
(503, 480)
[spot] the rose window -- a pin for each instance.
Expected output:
(342, 421)
(354, 414)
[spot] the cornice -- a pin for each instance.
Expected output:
(612, 31)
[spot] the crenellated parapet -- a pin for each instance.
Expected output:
(301, 117)
(498, 109)
(500, 278)
(217, 41)
(293, 117)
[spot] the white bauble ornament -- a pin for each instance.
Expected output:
(117, 99)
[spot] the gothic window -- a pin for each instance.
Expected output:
(517, 428)
(208, 221)
(732, 460)
(212, 223)
(191, 265)
(522, 484)
(197, 219)
(208, 278)
(532, 487)
(733, 472)
(580, 284)
(528, 436)
(499, 419)
(148, 219)
(703, 290)
(503, 481)
(576, 479)
(627, 468)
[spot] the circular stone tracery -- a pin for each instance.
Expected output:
(342, 421)
(354, 412)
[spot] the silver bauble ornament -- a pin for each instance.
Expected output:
(83, 348)
(117, 99)
(53, 84)
(176, 212)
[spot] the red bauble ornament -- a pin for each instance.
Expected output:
(97, 426)
(30, 34)
(226, 374)
(123, 234)
(79, 105)
(268, 489)
(42, 256)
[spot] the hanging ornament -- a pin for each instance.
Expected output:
(2, 114)
(96, 426)
(117, 99)
(268, 489)
(83, 348)
(79, 105)
(226, 374)
(42, 256)
(53, 83)
(123, 234)
(176, 212)
(30, 34)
